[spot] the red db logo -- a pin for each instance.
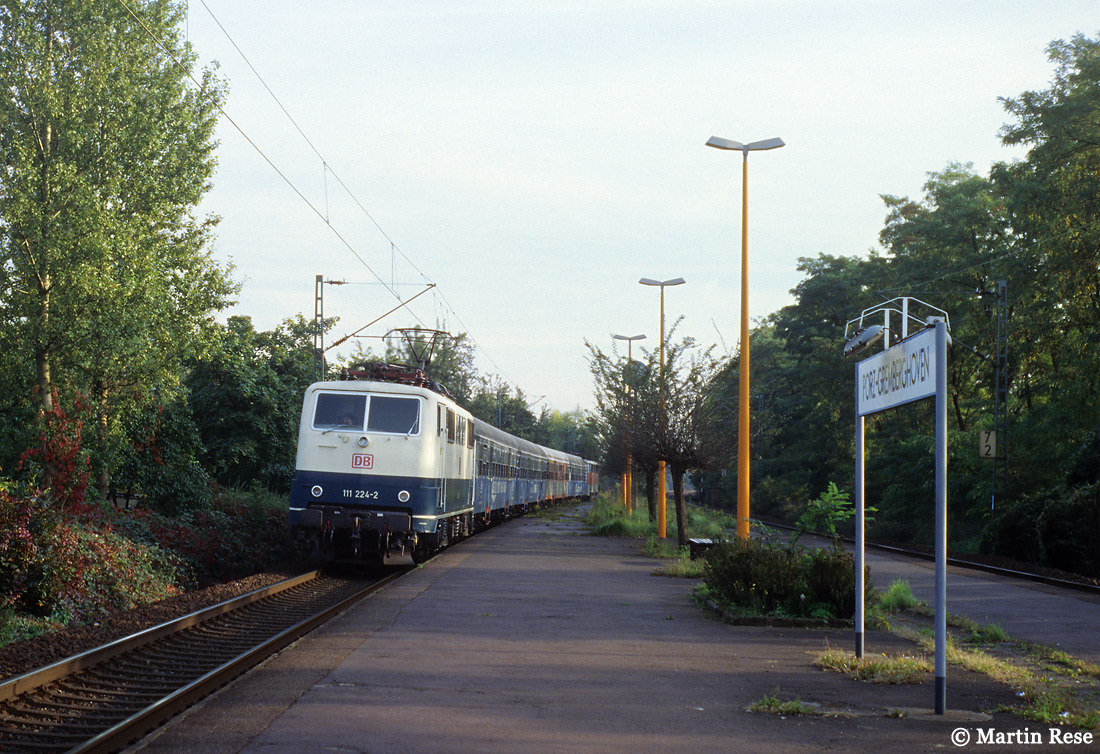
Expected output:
(362, 461)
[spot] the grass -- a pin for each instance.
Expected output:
(897, 597)
(683, 566)
(1055, 688)
(892, 670)
(561, 512)
(788, 708)
(608, 518)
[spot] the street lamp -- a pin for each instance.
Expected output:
(743, 413)
(628, 476)
(661, 487)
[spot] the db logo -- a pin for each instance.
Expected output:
(362, 461)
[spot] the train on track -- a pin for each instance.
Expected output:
(389, 463)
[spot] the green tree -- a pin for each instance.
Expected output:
(106, 280)
(570, 431)
(1053, 197)
(246, 399)
(496, 402)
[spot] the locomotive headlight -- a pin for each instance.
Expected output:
(316, 490)
(403, 496)
(364, 441)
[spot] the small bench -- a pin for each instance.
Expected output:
(697, 547)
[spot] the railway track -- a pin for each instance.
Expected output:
(1080, 586)
(101, 700)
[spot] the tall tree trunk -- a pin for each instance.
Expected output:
(45, 146)
(103, 479)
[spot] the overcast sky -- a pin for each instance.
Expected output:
(535, 159)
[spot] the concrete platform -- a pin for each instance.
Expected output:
(535, 637)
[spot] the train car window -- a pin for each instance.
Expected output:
(396, 415)
(450, 425)
(470, 436)
(343, 412)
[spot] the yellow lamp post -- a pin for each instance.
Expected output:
(743, 393)
(662, 491)
(628, 477)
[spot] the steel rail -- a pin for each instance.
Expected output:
(961, 562)
(150, 715)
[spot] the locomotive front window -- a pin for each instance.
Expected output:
(396, 415)
(339, 411)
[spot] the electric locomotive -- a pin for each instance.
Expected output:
(388, 462)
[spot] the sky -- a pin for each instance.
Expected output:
(535, 159)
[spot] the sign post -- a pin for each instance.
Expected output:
(912, 370)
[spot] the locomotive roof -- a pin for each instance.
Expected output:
(481, 428)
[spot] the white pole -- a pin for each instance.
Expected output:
(860, 567)
(941, 517)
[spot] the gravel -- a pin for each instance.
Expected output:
(31, 654)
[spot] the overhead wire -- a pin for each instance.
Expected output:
(328, 170)
(267, 159)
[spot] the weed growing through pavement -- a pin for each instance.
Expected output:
(790, 707)
(897, 597)
(1054, 687)
(683, 567)
(881, 669)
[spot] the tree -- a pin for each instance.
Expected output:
(246, 399)
(106, 280)
(623, 421)
(497, 403)
(1053, 198)
(656, 414)
(569, 431)
(687, 419)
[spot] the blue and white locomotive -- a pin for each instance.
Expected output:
(388, 462)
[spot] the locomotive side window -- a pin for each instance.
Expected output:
(450, 425)
(396, 415)
(339, 411)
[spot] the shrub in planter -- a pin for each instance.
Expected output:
(770, 578)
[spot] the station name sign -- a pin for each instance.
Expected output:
(899, 375)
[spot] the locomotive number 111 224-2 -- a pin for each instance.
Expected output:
(362, 494)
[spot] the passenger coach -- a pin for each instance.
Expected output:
(388, 462)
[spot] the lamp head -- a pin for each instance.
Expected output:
(864, 339)
(753, 146)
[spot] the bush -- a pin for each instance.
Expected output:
(607, 518)
(242, 533)
(95, 572)
(1056, 528)
(57, 460)
(81, 567)
(27, 525)
(899, 596)
(74, 569)
(768, 578)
